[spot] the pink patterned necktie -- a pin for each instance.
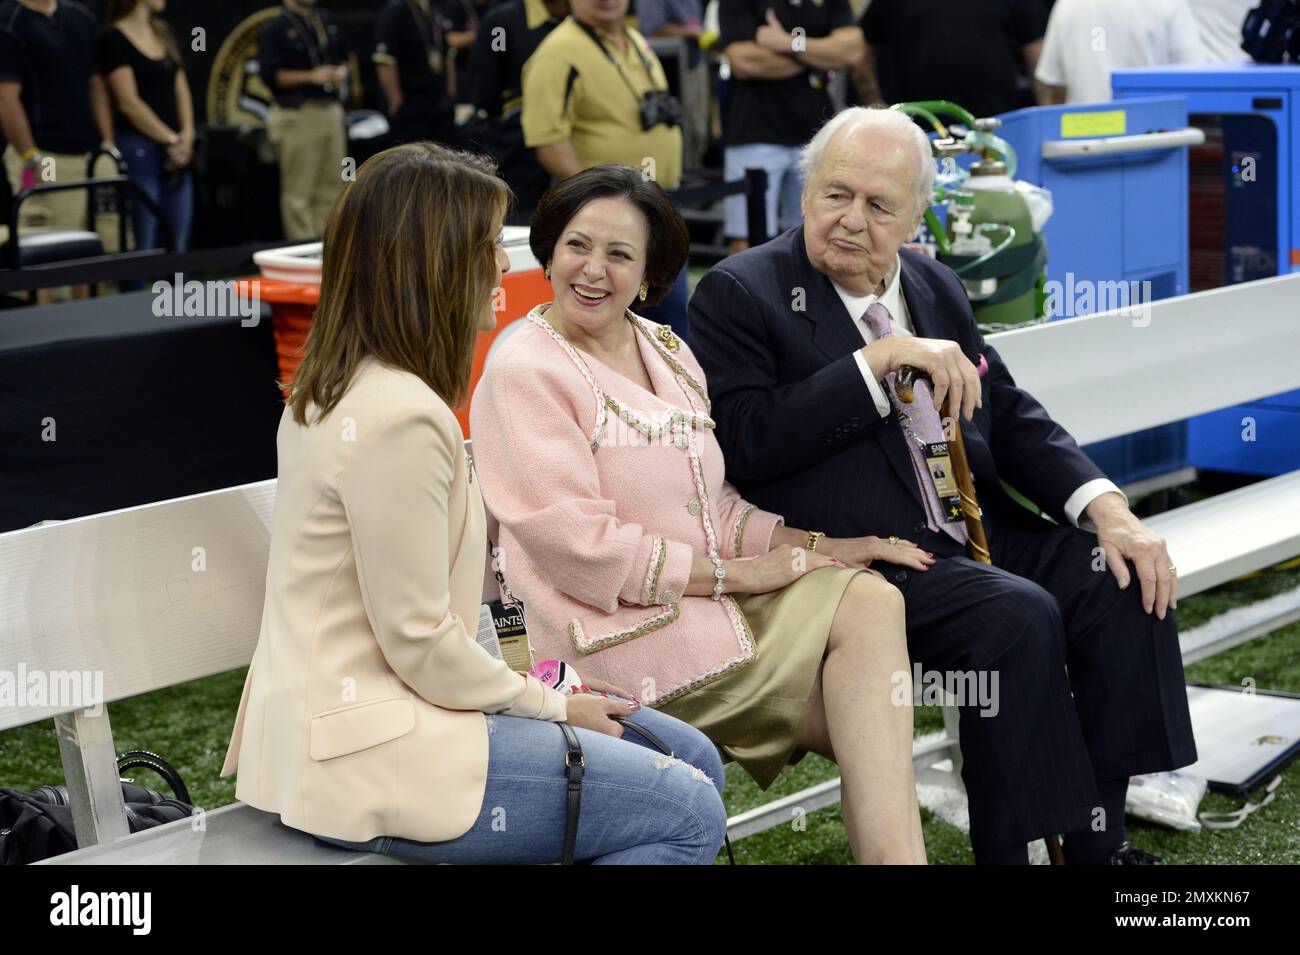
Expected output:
(923, 421)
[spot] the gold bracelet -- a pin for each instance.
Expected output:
(814, 538)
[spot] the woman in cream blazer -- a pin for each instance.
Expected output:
(370, 716)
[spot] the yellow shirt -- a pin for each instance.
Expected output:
(573, 92)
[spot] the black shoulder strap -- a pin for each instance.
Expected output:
(574, 767)
(595, 38)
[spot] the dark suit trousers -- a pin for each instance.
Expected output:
(1089, 687)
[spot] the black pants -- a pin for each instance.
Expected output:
(1089, 686)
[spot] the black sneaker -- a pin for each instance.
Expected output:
(1129, 854)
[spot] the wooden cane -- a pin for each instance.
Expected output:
(904, 385)
(904, 382)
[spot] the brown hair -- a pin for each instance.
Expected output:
(669, 240)
(408, 270)
(120, 9)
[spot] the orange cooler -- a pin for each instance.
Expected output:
(290, 284)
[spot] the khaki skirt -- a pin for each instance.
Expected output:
(755, 715)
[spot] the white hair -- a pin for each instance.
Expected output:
(885, 122)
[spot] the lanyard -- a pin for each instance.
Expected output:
(420, 11)
(432, 32)
(645, 64)
(313, 31)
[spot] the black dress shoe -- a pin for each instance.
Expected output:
(1129, 854)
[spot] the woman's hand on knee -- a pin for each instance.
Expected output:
(860, 552)
(600, 686)
(779, 567)
(597, 713)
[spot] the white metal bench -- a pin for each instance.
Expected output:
(1111, 374)
(119, 592)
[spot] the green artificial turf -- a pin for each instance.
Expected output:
(189, 725)
(1270, 836)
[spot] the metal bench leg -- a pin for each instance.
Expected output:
(90, 771)
(951, 723)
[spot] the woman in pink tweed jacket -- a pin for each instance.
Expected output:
(641, 565)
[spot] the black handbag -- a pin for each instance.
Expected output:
(37, 824)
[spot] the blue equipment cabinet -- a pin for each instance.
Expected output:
(1119, 183)
(1244, 191)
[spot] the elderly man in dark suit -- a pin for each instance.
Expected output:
(801, 339)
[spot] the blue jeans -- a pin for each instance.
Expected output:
(146, 165)
(638, 806)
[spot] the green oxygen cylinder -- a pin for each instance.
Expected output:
(1003, 288)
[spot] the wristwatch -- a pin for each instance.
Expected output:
(814, 538)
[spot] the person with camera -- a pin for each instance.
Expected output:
(596, 94)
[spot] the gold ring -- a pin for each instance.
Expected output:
(1173, 570)
(893, 540)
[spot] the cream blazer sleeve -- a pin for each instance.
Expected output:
(395, 488)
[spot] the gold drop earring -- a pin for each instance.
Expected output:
(547, 271)
(643, 291)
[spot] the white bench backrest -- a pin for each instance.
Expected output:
(129, 594)
(1104, 376)
(150, 596)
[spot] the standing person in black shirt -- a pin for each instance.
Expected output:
(780, 52)
(154, 117)
(413, 61)
(506, 38)
(301, 55)
(53, 106)
(463, 17)
(976, 53)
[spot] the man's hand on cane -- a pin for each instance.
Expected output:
(956, 380)
(1122, 535)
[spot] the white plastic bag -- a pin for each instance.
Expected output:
(1168, 799)
(1040, 203)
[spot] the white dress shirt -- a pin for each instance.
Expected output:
(901, 321)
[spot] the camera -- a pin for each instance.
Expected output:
(660, 106)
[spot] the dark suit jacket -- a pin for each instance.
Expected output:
(801, 433)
